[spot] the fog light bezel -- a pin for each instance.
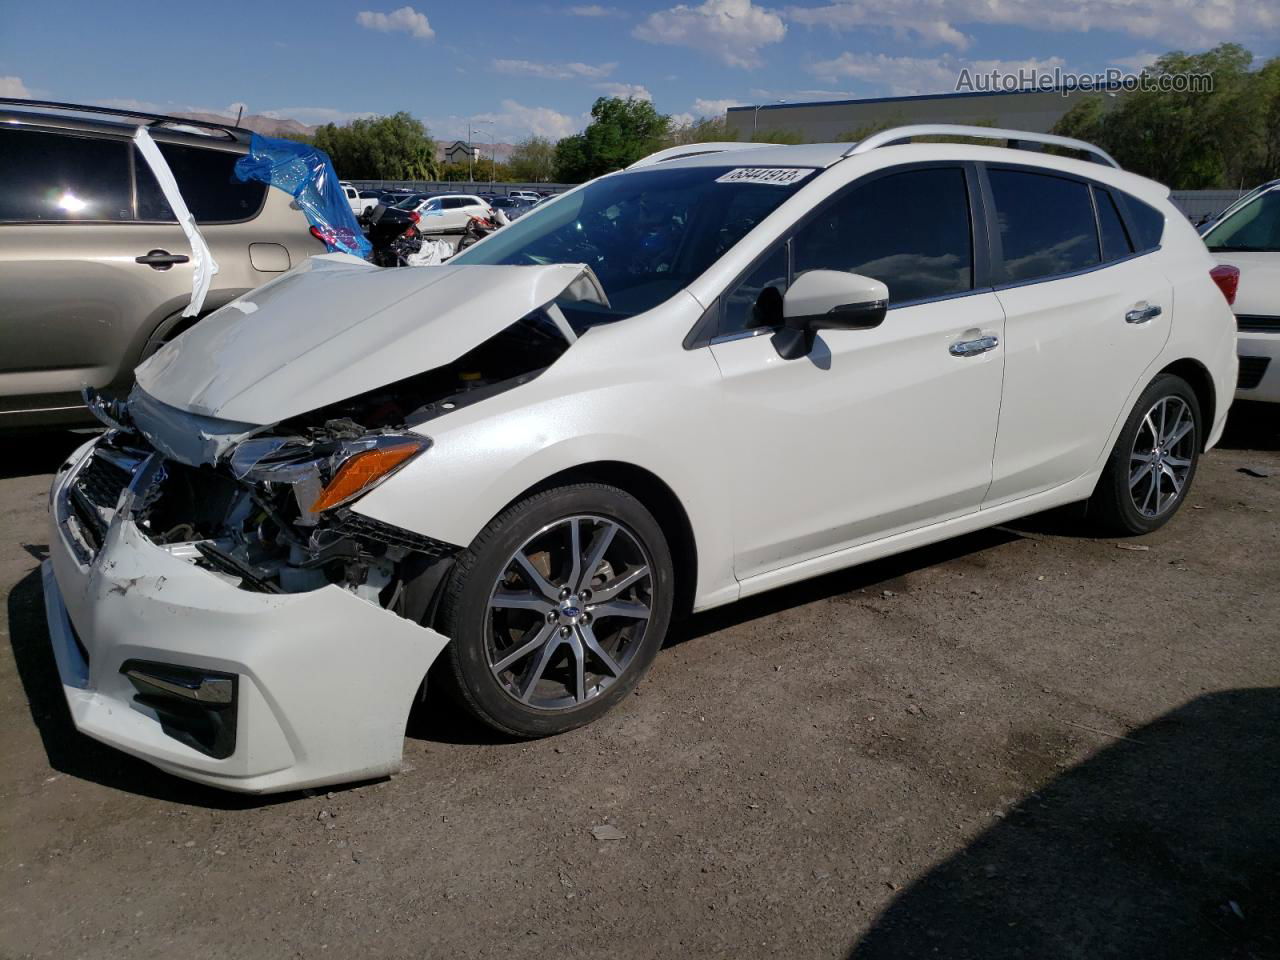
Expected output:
(195, 706)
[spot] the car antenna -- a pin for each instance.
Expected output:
(239, 114)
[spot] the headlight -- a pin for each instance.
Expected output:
(327, 474)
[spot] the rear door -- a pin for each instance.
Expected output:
(71, 295)
(1087, 312)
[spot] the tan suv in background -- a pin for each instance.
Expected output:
(94, 269)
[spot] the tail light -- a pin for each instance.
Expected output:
(1228, 280)
(319, 235)
(415, 216)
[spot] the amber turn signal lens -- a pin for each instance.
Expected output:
(361, 470)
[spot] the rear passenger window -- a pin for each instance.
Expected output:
(1115, 239)
(207, 181)
(51, 177)
(909, 230)
(1046, 225)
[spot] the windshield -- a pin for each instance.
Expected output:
(646, 234)
(1254, 227)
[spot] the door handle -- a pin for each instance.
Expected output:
(161, 259)
(1142, 313)
(971, 348)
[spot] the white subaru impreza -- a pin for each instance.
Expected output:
(725, 369)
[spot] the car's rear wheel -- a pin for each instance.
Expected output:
(557, 609)
(1154, 460)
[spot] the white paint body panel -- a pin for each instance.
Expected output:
(1259, 296)
(881, 440)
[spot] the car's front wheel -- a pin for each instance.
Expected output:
(1154, 460)
(557, 609)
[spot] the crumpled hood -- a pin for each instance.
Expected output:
(336, 326)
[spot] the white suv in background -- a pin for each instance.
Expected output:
(449, 213)
(1247, 236)
(728, 368)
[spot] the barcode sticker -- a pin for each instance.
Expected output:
(771, 176)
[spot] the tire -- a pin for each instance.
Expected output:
(514, 654)
(1123, 505)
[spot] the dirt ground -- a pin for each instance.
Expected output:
(1024, 743)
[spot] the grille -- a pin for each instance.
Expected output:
(101, 482)
(1256, 324)
(364, 528)
(1252, 370)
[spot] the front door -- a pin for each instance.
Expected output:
(878, 431)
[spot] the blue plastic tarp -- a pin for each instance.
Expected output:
(307, 175)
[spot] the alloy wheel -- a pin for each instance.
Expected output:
(1162, 455)
(568, 612)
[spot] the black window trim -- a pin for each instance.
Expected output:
(703, 333)
(1119, 195)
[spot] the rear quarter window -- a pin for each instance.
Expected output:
(208, 184)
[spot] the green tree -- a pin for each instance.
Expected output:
(379, 148)
(620, 133)
(1191, 139)
(533, 160)
(778, 136)
(704, 130)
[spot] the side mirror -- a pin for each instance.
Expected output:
(828, 300)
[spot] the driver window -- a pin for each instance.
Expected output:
(910, 230)
(756, 302)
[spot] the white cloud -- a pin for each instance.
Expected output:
(516, 120)
(713, 108)
(555, 71)
(733, 31)
(1136, 62)
(634, 91)
(594, 10)
(906, 76)
(1194, 22)
(404, 19)
(14, 87)
(683, 119)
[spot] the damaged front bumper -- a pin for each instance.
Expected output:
(248, 691)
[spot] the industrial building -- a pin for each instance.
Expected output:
(831, 120)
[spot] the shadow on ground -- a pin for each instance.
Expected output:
(1252, 426)
(1165, 845)
(29, 454)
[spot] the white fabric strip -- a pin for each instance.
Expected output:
(203, 265)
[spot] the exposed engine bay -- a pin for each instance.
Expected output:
(271, 512)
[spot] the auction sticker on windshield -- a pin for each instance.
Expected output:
(773, 176)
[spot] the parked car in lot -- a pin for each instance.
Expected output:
(362, 201)
(512, 207)
(728, 368)
(1246, 236)
(94, 269)
(529, 195)
(447, 213)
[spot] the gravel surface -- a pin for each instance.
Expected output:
(1022, 743)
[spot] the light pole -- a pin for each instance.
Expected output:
(755, 118)
(492, 170)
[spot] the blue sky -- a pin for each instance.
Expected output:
(537, 66)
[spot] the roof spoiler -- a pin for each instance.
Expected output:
(1014, 138)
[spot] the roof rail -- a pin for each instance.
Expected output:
(692, 150)
(152, 119)
(886, 137)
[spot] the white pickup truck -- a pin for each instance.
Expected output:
(359, 204)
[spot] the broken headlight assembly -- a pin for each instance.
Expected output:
(326, 474)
